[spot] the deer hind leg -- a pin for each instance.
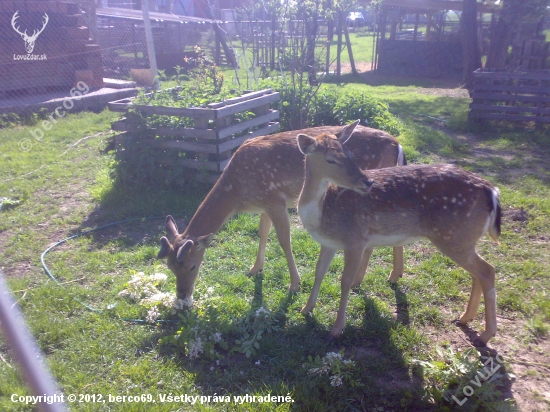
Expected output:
(279, 217)
(398, 264)
(353, 259)
(263, 231)
(363, 268)
(484, 281)
(325, 257)
(473, 304)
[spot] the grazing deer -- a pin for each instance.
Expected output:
(265, 175)
(392, 207)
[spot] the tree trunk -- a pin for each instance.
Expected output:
(500, 40)
(311, 33)
(470, 46)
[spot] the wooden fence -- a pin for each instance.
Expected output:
(209, 145)
(522, 96)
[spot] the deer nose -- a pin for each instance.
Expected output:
(367, 185)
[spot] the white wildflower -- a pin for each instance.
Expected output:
(158, 277)
(261, 310)
(210, 290)
(152, 315)
(257, 363)
(216, 337)
(336, 380)
(195, 348)
(331, 357)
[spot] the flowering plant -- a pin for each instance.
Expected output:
(144, 289)
(334, 365)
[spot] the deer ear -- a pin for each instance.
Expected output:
(165, 248)
(183, 249)
(306, 144)
(347, 131)
(204, 241)
(171, 228)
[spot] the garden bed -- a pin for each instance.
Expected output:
(195, 138)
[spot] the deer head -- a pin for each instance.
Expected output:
(29, 40)
(184, 255)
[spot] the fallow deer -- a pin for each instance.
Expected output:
(265, 175)
(395, 206)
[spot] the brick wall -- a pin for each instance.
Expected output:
(63, 53)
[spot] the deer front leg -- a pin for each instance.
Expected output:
(352, 263)
(398, 264)
(325, 258)
(263, 231)
(279, 217)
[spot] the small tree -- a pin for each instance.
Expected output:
(470, 45)
(514, 20)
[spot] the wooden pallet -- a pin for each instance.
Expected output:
(521, 96)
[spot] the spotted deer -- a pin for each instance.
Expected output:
(395, 206)
(265, 175)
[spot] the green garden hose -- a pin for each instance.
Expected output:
(90, 308)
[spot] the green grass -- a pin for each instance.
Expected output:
(388, 327)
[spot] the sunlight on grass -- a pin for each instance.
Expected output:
(390, 329)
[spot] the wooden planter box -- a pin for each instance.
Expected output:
(206, 149)
(522, 96)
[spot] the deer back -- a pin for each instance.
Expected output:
(441, 202)
(270, 165)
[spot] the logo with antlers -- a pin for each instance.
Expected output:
(29, 40)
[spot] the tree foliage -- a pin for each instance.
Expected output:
(515, 20)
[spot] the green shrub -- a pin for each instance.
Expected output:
(303, 105)
(351, 106)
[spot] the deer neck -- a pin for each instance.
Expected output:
(310, 204)
(217, 208)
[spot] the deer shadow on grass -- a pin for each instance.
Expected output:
(282, 364)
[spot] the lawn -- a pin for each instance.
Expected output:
(406, 352)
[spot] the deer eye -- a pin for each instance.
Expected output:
(192, 268)
(332, 162)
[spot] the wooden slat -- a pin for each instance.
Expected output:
(519, 118)
(508, 109)
(205, 134)
(502, 97)
(239, 99)
(195, 112)
(256, 121)
(236, 142)
(244, 106)
(530, 75)
(119, 105)
(479, 88)
(191, 146)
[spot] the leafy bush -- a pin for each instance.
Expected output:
(353, 105)
(303, 105)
